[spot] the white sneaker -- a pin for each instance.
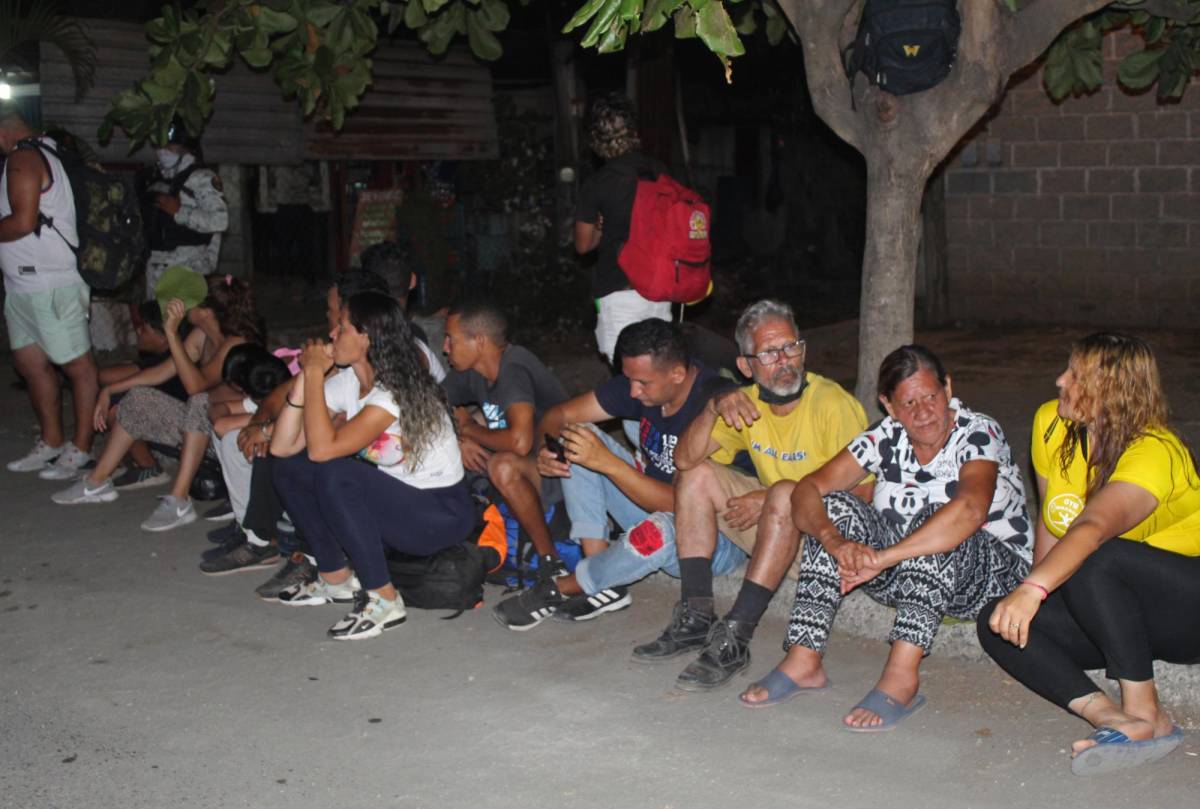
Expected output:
(315, 593)
(371, 616)
(38, 457)
(84, 491)
(67, 466)
(171, 512)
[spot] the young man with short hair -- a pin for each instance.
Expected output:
(659, 389)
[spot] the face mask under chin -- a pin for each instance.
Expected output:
(168, 161)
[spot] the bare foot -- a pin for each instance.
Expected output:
(805, 677)
(900, 686)
(1138, 730)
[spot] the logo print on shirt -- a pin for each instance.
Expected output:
(1062, 510)
(495, 416)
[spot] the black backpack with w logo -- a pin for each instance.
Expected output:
(904, 46)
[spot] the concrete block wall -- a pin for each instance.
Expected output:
(1085, 212)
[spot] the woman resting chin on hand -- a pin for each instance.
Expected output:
(389, 475)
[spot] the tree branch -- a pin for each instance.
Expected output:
(1038, 24)
(820, 24)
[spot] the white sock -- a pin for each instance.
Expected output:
(254, 539)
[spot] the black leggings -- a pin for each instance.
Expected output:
(1127, 606)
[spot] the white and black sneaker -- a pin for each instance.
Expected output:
(371, 616)
(586, 607)
(317, 592)
(529, 608)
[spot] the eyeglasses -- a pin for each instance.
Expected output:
(772, 355)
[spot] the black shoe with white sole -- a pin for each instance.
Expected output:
(529, 608)
(586, 607)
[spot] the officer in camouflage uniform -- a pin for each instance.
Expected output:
(185, 210)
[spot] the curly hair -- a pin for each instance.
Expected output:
(393, 354)
(1121, 392)
(613, 127)
(232, 301)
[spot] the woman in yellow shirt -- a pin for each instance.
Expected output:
(1116, 579)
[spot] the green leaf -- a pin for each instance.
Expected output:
(685, 23)
(271, 21)
(1154, 30)
(218, 51)
(1011, 5)
(482, 41)
(258, 58)
(320, 12)
(716, 30)
(698, 5)
(494, 14)
(414, 14)
(614, 38)
(433, 5)
(744, 22)
(777, 29)
(1138, 71)
(608, 12)
(585, 13)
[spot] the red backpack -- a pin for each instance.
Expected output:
(666, 257)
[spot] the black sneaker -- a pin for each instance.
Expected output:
(551, 567)
(586, 607)
(297, 570)
(225, 534)
(726, 652)
(220, 512)
(231, 540)
(530, 608)
(243, 557)
(687, 632)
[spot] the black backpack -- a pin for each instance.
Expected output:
(108, 220)
(451, 579)
(904, 46)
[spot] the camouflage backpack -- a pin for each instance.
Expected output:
(108, 220)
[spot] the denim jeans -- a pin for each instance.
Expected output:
(648, 541)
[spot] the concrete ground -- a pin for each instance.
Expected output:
(128, 679)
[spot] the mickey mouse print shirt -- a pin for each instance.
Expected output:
(903, 486)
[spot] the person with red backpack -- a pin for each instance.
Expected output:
(603, 218)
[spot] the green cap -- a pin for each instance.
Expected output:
(183, 283)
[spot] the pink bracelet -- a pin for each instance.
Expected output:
(1045, 592)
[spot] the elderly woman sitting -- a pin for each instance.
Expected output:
(946, 531)
(1117, 581)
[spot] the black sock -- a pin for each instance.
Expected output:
(751, 603)
(695, 577)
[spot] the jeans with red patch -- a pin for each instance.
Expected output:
(648, 541)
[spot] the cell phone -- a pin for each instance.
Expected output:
(556, 446)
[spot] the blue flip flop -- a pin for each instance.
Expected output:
(887, 708)
(780, 688)
(1116, 751)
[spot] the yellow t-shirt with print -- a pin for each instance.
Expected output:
(789, 447)
(1158, 462)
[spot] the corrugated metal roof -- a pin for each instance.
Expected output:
(416, 108)
(251, 122)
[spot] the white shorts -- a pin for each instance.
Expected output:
(617, 310)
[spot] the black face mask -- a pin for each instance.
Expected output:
(772, 398)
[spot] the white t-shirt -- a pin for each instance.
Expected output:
(436, 369)
(442, 464)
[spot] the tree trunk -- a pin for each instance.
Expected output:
(904, 139)
(889, 257)
(933, 298)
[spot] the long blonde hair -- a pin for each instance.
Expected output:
(1120, 396)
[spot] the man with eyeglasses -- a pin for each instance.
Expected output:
(790, 421)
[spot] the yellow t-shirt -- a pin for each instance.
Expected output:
(1158, 462)
(789, 447)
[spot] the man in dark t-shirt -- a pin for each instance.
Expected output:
(603, 214)
(661, 391)
(511, 388)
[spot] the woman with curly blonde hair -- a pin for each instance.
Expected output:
(1116, 579)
